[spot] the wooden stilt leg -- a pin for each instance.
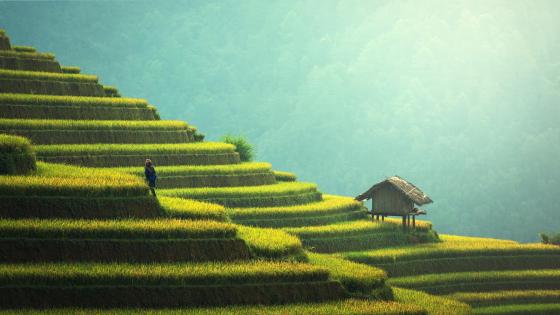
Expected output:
(383, 218)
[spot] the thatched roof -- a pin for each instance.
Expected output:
(409, 190)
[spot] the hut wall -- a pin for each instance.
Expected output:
(388, 199)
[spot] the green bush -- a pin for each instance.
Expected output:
(243, 147)
(198, 137)
(16, 155)
(553, 239)
(111, 91)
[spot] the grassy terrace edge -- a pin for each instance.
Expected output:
(191, 170)
(185, 274)
(481, 281)
(116, 229)
(48, 124)
(329, 205)
(450, 247)
(500, 298)
(29, 55)
(36, 75)
(133, 149)
(280, 189)
(57, 100)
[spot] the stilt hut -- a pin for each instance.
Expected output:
(395, 197)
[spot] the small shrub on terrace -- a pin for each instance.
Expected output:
(553, 239)
(16, 155)
(243, 147)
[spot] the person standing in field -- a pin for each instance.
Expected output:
(151, 176)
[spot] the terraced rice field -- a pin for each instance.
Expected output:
(493, 276)
(361, 235)
(497, 298)
(35, 75)
(116, 229)
(330, 209)
(482, 281)
(73, 192)
(34, 55)
(117, 155)
(345, 307)
(243, 174)
(460, 254)
(56, 100)
(220, 232)
(252, 196)
(26, 106)
(101, 131)
(132, 149)
(163, 284)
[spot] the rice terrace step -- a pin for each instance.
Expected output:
(126, 155)
(170, 285)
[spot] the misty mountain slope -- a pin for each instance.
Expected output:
(459, 97)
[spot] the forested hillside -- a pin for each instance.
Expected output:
(460, 97)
